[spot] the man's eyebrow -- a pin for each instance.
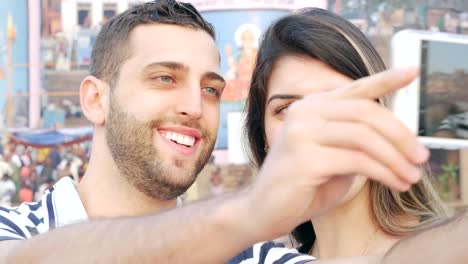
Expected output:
(167, 64)
(285, 96)
(177, 66)
(214, 76)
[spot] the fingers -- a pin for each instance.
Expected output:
(340, 162)
(354, 135)
(365, 140)
(377, 85)
(382, 120)
(360, 127)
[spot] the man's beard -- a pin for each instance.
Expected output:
(130, 142)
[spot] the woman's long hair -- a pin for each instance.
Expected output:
(322, 35)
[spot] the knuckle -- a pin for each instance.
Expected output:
(363, 131)
(322, 166)
(402, 137)
(366, 108)
(357, 158)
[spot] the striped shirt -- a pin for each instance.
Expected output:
(61, 206)
(271, 253)
(457, 124)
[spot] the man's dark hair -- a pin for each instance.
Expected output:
(111, 48)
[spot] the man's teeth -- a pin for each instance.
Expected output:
(180, 139)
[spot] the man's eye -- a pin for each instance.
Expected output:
(211, 90)
(165, 79)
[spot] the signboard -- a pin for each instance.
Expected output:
(238, 33)
(213, 5)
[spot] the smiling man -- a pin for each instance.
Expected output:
(157, 117)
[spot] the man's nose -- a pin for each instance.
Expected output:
(190, 103)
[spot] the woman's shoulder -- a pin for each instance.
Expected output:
(270, 252)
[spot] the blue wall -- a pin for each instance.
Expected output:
(18, 9)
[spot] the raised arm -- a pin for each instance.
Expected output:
(447, 243)
(210, 231)
(289, 190)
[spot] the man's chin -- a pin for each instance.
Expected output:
(182, 180)
(164, 191)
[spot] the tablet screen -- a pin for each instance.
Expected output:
(444, 90)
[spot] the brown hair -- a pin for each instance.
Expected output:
(111, 48)
(322, 35)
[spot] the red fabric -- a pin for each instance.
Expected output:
(25, 172)
(25, 195)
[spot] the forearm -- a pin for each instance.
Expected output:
(446, 243)
(211, 231)
(351, 260)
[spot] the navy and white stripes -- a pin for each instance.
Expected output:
(270, 253)
(30, 219)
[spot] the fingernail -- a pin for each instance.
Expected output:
(414, 174)
(405, 187)
(422, 153)
(407, 70)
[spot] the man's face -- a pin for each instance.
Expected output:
(164, 109)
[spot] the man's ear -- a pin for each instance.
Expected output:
(94, 99)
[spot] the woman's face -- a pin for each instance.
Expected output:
(292, 78)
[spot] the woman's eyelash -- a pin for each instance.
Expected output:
(281, 108)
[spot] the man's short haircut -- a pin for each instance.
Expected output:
(112, 47)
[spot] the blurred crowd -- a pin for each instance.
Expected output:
(27, 172)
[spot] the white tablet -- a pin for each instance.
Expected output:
(435, 105)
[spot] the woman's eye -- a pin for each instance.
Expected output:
(282, 109)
